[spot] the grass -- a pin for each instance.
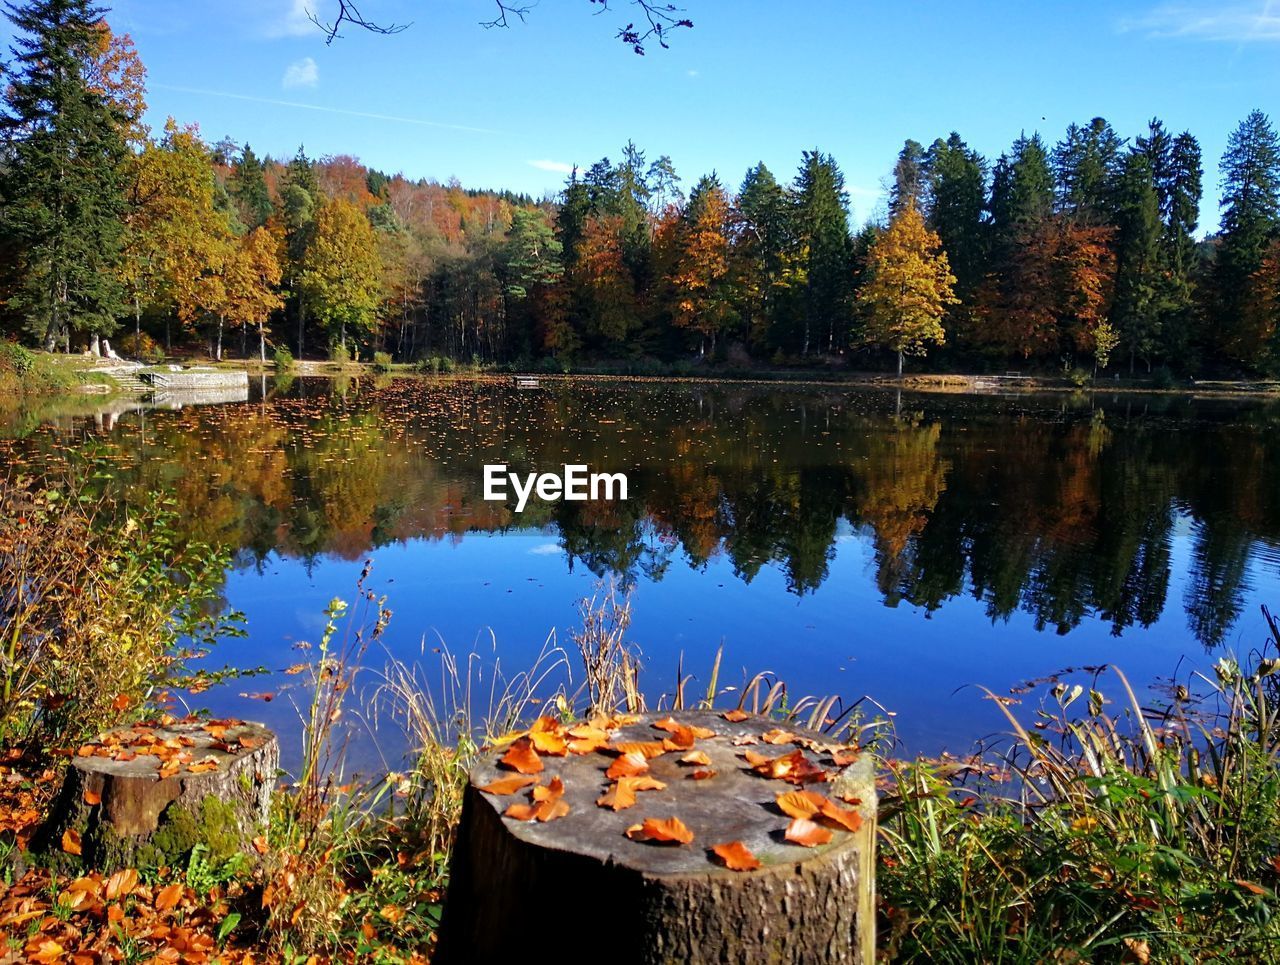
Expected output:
(1102, 828)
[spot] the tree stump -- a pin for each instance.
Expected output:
(149, 794)
(574, 886)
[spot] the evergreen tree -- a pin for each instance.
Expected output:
(1088, 163)
(1022, 188)
(1140, 267)
(957, 177)
(1251, 203)
(299, 201)
(62, 186)
(910, 179)
(248, 188)
(761, 251)
(822, 225)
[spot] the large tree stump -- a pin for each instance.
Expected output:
(577, 888)
(147, 795)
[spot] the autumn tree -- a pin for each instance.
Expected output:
(909, 288)
(702, 300)
(253, 282)
(341, 269)
(62, 184)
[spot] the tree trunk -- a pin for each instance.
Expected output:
(123, 813)
(262, 344)
(217, 352)
(302, 328)
(635, 902)
(899, 365)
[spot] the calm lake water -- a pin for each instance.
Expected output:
(853, 542)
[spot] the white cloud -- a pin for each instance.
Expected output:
(301, 73)
(1226, 22)
(545, 549)
(557, 167)
(294, 21)
(691, 73)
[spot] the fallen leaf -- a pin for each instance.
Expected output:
(522, 757)
(121, 884)
(701, 774)
(546, 742)
(735, 716)
(846, 818)
(169, 896)
(628, 765)
(508, 785)
(647, 749)
(121, 702)
(736, 856)
(777, 736)
(696, 757)
(800, 804)
(623, 794)
(804, 832)
(669, 831)
(793, 768)
(71, 841)
(92, 798)
(260, 845)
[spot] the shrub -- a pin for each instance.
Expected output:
(382, 361)
(341, 355)
(21, 361)
(283, 359)
(1162, 378)
(92, 607)
(141, 346)
(448, 366)
(1079, 377)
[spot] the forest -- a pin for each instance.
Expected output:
(1085, 255)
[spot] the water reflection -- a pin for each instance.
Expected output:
(1064, 509)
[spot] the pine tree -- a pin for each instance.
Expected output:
(760, 251)
(1251, 202)
(1140, 266)
(910, 179)
(957, 177)
(822, 226)
(909, 288)
(1087, 164)
(1021, 189)
(299, 201)
(248, 188)
(62, 187)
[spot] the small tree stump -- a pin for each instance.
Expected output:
(147, 795)
(577, 888)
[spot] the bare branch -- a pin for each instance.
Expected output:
(349, 12)
(660, 19)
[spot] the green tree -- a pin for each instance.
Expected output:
(957, 178)
(762, 246)
(1251, 217)
(822, 229)
(62, 183)
(298, 202)
(1138, 311)
(1087, 164)
(248, 188)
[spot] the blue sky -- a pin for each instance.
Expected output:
(755, 80)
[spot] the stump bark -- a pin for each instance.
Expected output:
(147, 795)
(577, 888)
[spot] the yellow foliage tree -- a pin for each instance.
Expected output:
(342, 270)
(909, 288)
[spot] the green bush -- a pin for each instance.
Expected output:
(283, 359)
(341, 355)
(1079, 377)
(17, 359)
(382, 361)
(448, 366)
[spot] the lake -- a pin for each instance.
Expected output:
(903, 547)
